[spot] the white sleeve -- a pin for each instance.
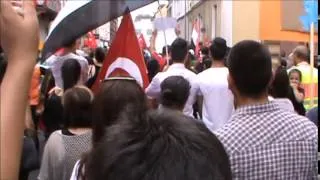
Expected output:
(194, 91)
(75, 171)
(85, 70)
(196, 86)
(153, 90)
(49, 62)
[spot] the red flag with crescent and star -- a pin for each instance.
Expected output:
(124, 57)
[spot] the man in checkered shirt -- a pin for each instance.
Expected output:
(263, 141)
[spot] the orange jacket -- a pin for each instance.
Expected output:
(34, 92)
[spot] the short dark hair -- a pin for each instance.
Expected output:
(179, 50)
(163, 146)
(280, 84)
(174, 92)
(218, 48)
(249, 64)
(283, 62)
(70, 44)
(205, 51)
(164, 50)
(3, 67)
(70, 73)
(100, 54)
(153, 68)
(77, 102)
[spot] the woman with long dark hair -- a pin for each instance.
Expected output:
(279, 90)
(52, 115)
(114, 96)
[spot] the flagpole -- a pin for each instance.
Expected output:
(311, 62)
(165, 37)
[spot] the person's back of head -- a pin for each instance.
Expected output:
(250, 68)
(174, 92)
(71, 45)
(163, 146)
(164, 50)
(179, 50)
(70, 73)
(301, 53)
(280, 84)
(153, 68)
(205, 51)
(111, 99)
(218, 48)
(77, 106)
(284, 62)
(99, 54)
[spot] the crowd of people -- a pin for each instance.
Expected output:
(231, 113)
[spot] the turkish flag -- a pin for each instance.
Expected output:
(124, 57)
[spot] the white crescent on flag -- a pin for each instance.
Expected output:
(78, 17)
(128, 66)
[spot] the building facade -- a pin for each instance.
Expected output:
(260, 20)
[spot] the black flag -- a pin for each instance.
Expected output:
(76, 18)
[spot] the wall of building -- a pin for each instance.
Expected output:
(230, 20)
(246, 17)
(226, 21)
(202, 10)
(270, 26)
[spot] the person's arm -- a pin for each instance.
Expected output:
(84, 70)
(152, 47)
(298, 95)
(28, 120)
(199, 104)
(198, 98)
(19, 37)
(153, 90)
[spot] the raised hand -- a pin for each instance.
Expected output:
(19, 29)
(19, 38)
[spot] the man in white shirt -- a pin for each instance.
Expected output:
(179, 52)
(55, 62)
(216, 100)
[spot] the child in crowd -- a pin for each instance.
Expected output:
(295, 78)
